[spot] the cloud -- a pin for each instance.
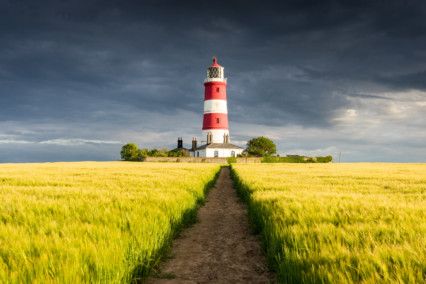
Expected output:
(75, 142)
(77, 73)
(15, 142)
(61, 142)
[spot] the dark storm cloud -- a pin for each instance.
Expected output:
(103, 64)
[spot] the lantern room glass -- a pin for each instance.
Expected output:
(214, 72)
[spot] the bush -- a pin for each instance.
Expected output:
(292, 160)
(231, 160)
(178, 153)
(130, 152)
(270, 160)
(283, 160)
(326, 159)
(310, 160)
(143, 153)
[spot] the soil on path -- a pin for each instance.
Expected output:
(220, 247)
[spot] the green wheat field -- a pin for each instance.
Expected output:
(93, 222)
(339, 223)
(112, 222)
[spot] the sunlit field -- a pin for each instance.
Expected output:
(93, 222)
(339, 223)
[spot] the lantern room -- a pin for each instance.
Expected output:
(215, 73)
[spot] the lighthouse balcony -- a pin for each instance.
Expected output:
(215, 80)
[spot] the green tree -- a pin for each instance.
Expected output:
(129, 152)
(154, 153)
(178, 153)
(261, 147)
(143, 153)
(158, 153)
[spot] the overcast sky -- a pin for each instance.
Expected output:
(79, 79)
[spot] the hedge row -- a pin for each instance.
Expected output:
(326, 159)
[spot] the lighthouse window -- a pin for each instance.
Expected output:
(213, 72)
(217, 120)
(217, 90)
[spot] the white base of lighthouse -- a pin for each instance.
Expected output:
(217, 136)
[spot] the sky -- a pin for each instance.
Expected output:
(79, 79)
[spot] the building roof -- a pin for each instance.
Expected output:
(180, 149)
(219, 146)
(215, 63)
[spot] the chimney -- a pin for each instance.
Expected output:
(180, 142)
(194, 143)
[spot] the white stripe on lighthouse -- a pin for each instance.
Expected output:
(217, 135)
(215, 106)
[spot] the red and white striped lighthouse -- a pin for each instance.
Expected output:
(215, 120)
(215, 135)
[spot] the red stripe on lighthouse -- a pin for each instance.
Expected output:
(215, 121)
(215, 91)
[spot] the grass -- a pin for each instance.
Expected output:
(339, 223)
(93, 222)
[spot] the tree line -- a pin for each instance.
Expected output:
(131, 152)
(256, 147)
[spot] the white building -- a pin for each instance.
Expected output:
(217, 150)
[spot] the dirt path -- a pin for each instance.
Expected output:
(219, 248)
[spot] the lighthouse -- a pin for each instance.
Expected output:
(215, 119)
(215, 130)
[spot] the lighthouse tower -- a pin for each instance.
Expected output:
(215, 120)
(215, 134)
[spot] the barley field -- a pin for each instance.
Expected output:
(93, 222)
(339, 223)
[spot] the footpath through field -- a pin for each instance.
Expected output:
(219, 248)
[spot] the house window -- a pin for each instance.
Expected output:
(198, 154)
(216, 153)
(217, 90)
(217, 120)
(232, 153)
